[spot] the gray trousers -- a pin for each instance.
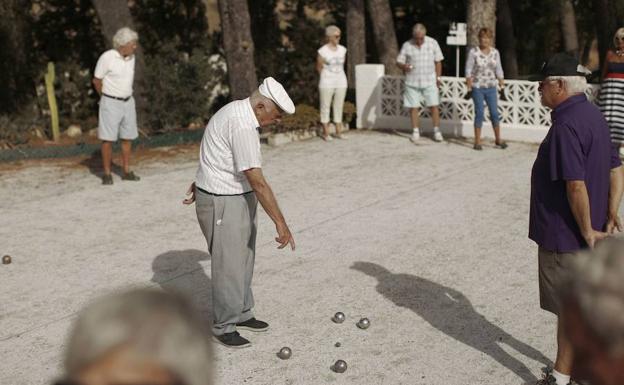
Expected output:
(229, 225)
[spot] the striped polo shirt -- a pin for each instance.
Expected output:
(231, 145)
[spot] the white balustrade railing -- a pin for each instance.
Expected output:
(380, 105)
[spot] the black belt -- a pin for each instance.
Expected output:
(221, 195)
(116, 98)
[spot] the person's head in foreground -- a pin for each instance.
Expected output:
(594, 314)
(561, 77)
(126, 41)
(270, 101)
(419, 31)
(140, 337)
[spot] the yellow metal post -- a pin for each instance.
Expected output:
(49, 81)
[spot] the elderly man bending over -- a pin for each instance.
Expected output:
(113, 78)
(228, 186)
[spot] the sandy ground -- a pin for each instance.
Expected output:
(428, 241)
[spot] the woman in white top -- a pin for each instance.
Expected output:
(333, 80)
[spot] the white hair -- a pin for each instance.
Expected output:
(331, 30)
(256, 97)
(572, 84)
(124, 36)
(618, 33)
(419, 28)
(597, 286)
(156, 326)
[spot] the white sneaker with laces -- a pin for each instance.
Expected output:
(437, 136)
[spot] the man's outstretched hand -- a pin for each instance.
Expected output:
(284, 237)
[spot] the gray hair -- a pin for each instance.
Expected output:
(124, 36)
(618, 33)
(256, 98)
(154, 325)
(419, 28)
(572, 84)
(331, 30)
(597, 286)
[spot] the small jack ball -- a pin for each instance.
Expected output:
(6, 259)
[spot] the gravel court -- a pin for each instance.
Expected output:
(428, 241)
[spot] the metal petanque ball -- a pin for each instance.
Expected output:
(284, 353)
(339, 317)
(339, 366)
(364, 323)
(337, 344)
(6, 259)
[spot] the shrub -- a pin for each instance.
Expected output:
(182, 88)
(305, 118)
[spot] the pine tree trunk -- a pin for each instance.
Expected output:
(568, 27)
(506, 39)
(14, 64)
(605, 27)
(480, 14)
(356, 38)
(113, 15)
(239, 47)
(385, 37)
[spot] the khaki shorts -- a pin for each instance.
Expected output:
(554, 270)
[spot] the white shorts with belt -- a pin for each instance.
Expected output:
(117, 119)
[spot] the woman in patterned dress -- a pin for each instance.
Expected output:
(484, 73)
(612, 89)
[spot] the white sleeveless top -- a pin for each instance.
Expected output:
(333, 74)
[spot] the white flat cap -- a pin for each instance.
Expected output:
(273, 90)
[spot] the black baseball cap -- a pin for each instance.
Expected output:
(560, 64)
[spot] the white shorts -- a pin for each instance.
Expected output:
(117, 120)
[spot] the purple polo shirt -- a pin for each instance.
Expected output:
(577, 147)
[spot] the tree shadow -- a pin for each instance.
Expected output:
(451, 312)
(94, 164)
(180, 271)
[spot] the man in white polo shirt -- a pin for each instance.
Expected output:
(421, 60)
(228, 186)
(113, 78)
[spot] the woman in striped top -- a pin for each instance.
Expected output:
(612, 89)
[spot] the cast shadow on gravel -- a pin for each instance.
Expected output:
(451, 312)
(180, 271)
(94, 164)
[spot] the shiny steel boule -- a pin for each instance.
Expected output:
(284, 353)
(363, 323)
(339, 317)
(6, 259)
(339, 366)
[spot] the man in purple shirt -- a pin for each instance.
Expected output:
(576, 187)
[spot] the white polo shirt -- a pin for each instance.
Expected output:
(333, 74)
(231, 145)
(116, 72)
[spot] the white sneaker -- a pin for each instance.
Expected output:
(327, 138)
(415, 137)
(437, 136)
(342, 136)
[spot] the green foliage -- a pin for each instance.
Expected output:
(164, 22)
(181, 87)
